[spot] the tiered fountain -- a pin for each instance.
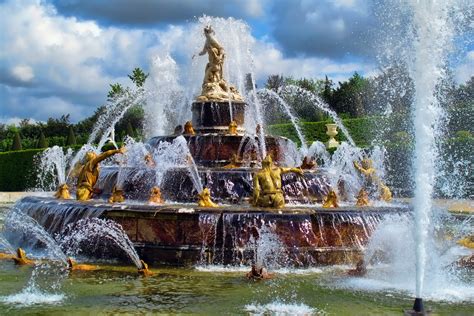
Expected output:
(214, 159)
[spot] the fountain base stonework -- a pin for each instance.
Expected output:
(184, 235)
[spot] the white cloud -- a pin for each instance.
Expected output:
(23, 73)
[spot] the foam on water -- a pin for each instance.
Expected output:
(280, 308)
(31, 296)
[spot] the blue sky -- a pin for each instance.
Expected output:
(58, 57)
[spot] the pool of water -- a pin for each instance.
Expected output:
(210, 290)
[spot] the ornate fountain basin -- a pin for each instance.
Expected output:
(184, 234)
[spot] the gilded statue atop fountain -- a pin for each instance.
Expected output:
(204, 199)
(90, 173)
(331, 200)
(63, 192)
(117, 196)
(373, 183)
(214, 87)
(267, 190)
(155, 195)
(363, 198)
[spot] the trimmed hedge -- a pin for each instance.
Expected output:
(17, 171)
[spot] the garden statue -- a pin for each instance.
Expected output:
(232, 128)
(149, 161)
(214, 87)
(308, 163)
(73, 266)
(267, 190)
(362, 198)
(234, 162)
(372, 183)
(90, 173)
(204, 199)
(331, 200)
(188, 128)
(117, 196)
(21, 258)
(144, 270)
(63, 192)
(155, 195)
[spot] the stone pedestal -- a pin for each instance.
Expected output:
(215, 117)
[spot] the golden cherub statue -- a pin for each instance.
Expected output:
(117, 196)
(363, 198)
(90, 173)
(267, 184)
(155, 195)
(331, 200)
(63, 192)
(308, 163)
(204, 199)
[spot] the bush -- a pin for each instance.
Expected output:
(17, 171)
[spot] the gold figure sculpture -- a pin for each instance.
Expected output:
(149, 161)
(331, 200)
(204, 199)
(232, 128)
(73, 266)
(189, 129)
(144, 270)
(258, 273)
(117, 196)
(155, 196)
(235, 162)
(63, 192)
(308, 163)
(267, 190)
(467, 242)
(21, 258)
(214, 87)
(372, 181)
(363, 198)
(90, 173)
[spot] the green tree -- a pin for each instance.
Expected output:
(351, 96)
(71, 138)
(275, 82)
(16, 142)
(138, 77)
(116, 90)
(130, 131)
(42, 143)
(327, 92)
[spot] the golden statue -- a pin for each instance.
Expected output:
(149, 161)
(258, 273)
(188, 128)
(467, 242)
(373, 182)
(267, 190)
(214, 87)
(232, 128)
(308, 163)
(21, 258)
(117, 196)
(90, 173)
(330, 200)
(144, 270)
(234, 162)
(63, 192)
(73, 266)
(204, 199)
(155, 196)
(363, 198)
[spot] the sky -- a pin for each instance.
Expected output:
(58, 57)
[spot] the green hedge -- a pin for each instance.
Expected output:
(17, 171)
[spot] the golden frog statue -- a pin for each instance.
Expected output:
(204, 199)
(63, 192)
(363, 198)
(234, 162)
(155, 196)
(117, 196)
(232, 128)
(189, 129)
(331, 200)
(267, 190)
(372, 180)
(21, 258)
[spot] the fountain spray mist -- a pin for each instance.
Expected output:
(432, 35)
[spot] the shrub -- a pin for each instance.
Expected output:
(17, 171)
(16, 142)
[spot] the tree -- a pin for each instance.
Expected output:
(71, 138)
(16, 142)
(275, 82)
(116, 90)
(130, 132)
(138, 77)
(350, 96)
(327, 92)
(42, 143)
